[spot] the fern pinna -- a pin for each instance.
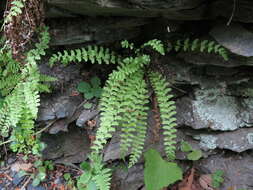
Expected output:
(201, 46)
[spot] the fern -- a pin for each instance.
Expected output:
(15, 10)
(156, 45)
(202, 46)
(94, 54)
(95, 174)
(167, 112)
(133, 114)
(20, 106)
(111, 103)
(124, 100)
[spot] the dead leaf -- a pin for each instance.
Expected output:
(21, 166)
(74, 93)
(92, 138)
(91, 123)
(189, 182)
(205, 182)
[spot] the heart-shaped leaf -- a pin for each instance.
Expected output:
(95, 81)
(97, 92)
(83, 87)
(186, 147)
(87, 105)
(159, 173)
(88, 95)
(194, 155)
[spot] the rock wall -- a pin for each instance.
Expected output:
(214, 97)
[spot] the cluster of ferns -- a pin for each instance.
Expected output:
(124, 103)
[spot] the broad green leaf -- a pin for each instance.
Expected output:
(22, 173)
(97, 92)
(194, 155)
(95, 81)
(159, 173)
(41, 176)
(87, 105)
(186, 147)
(88, 95)
(85, 166)
(36, 182)
(67, 176)
(37, 163)
(83, 87)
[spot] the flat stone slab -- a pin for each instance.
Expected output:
(235, 38)
(238, 169)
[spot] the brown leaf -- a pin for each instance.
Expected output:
(21, 166)
(188, 182)
(205, 182)
(91, 123)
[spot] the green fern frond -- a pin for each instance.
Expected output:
(133, 117)
(110, 100)
(201, 46)
(156, 45)
(167, 111)
(15, 10)
(20, 106)
(100, 175)
(103, 178)
(94, 54)
(127, 45)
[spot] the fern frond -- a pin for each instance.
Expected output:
(110, 105)
(167, 110)
(156, 45)
(201, 46)
(94, 54)
(15, 10)
(133, 115)
(127, 45)
(21, 103)
(141, 108)
(103, 178)
(101, 175)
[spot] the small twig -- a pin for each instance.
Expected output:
(5, 142)
(38, 132)
(232, 15)
(46, 127)
(26, 183)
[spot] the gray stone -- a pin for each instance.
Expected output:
(70, 147)
(85, 116)
(17, 180)
(65, 75)
(214, 110)
(135, 8)
(237, 141)
(31, 187)
(237, 168)
(171, 9)
(58, 107)
(94, 30)
(197, 58)
(235, 38)
(130, 179)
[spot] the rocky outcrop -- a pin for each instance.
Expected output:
(214, 97)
